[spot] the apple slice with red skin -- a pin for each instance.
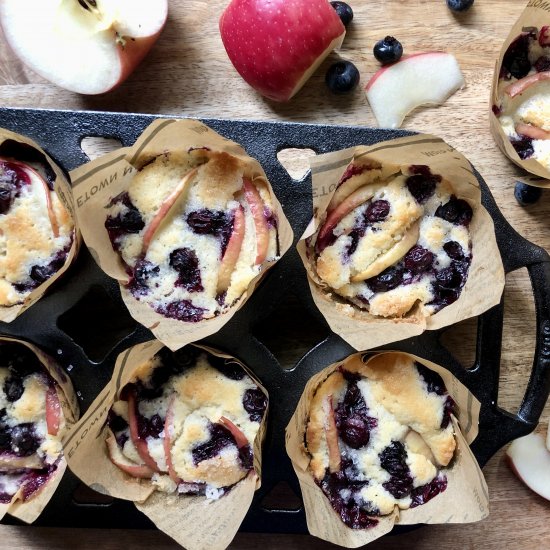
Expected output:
(544, 36)
(165, 209)
(349, 204)
(167, 443)
(529, 459)
(140, 444)
(276, 45)
(239, 436)
(525, 83)
(53, 411)
(141, 471)
(232, 252)
(100, 42)
(34, 175)
(533, 132)
(331, 434)
(252, 196)
(425, 78)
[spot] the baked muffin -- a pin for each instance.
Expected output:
(193, 232)
(188, 422)
(523, 105)
(394, 241)
(36, 231)
(378, 435)
(31, 424)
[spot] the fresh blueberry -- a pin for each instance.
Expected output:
(388, 50)
(342, 77)
(459, 5)
(344, 12)
(526, 194)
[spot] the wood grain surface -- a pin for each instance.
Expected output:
(188, 73)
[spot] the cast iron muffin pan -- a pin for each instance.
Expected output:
(83, 323)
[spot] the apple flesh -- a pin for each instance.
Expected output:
(420, 79)
(331, 435)
(523, 84)
(167, 206)
(124, 463)
(53, 411)
(529, 459)
(534, 132)
(85, 46)
(276, 45)
(140, 444)
(232, 252)
(544, 36)
(256, 205)
(349, 204)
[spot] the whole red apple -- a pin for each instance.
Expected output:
(85, 46)
(276, 45)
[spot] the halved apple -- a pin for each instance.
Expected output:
(393, 255)
(232, 252)
(425, 78)
(529, 459)
(239, 436)
(331, 435)
(140, 444)
(124, 463)
(523, 84)
(168, 205)
(349, 204)
(53, 411)
(85, 46)
(256, 205)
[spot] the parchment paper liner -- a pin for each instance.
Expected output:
(30, 510)
(536, 14)
(465, 500)
(193, 521)
(485, 281)
(63, 190)
(98, 181)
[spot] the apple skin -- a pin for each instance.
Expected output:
(239, 436)
(523, 84)
(141, 471)
(53, 411)
(534, 132)
(275, 45)
(256, 205)
(232, 252)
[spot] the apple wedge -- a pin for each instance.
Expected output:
(544, 36)
(53, 411)
(168, 205)
(426, 78)
(125, 464)
(140, 444)
(37, 179)
(85, 46)
(331, 435)
(529, 459)
(393, 255)
(534, 132)
(232, 252)
(525, 83)
(362, 195)
(256, 205)
(240, 438)
(276, 45)
(167, 443)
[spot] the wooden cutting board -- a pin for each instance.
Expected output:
(188, 73)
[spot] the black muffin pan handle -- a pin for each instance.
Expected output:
(84, 324)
